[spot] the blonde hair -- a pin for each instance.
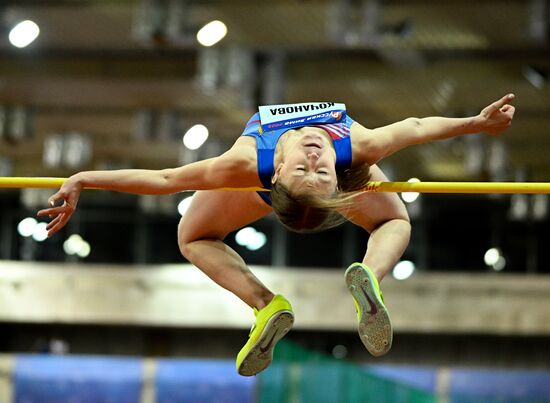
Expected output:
(310, 212)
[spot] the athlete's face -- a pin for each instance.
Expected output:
(308, 163)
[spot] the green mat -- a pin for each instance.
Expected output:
(298, 375)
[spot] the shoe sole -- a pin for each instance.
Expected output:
(375, 329)
(261, 353)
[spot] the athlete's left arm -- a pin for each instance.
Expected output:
(380, 143)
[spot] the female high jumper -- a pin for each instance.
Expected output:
(314, 160)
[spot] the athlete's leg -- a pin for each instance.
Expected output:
(386, 219)
(210, 218)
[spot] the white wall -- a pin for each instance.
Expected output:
(181, 295)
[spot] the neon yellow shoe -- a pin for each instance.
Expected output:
(272, 323)
(375, 327)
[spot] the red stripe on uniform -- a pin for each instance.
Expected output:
(332, 134)
(335, 131)
(252, 122)
(339, 128)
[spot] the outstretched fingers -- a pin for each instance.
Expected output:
(54, 222)
(60, 212)
(51, 212)
(57, 223)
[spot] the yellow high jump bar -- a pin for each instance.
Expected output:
(420, 187)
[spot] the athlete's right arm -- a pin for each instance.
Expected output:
(232, 169)
(213, 173)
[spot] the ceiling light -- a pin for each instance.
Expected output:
(211, 33)
(23, 34)
(195, 137)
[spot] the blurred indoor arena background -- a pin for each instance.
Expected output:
(109, 311)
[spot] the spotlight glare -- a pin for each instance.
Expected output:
(250, 238)
(84, 249)
(195, 137)
(183, 205)
(212, 33)
(403, 270)
(245, 235)
(491, 256)
(40, 232)
(339, 351)
(26, 227)
(23, 34)
(257, 241)
(410, 197)
(72, 244)
(499, 264)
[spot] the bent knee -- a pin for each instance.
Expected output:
(189, 234)
(185, 237)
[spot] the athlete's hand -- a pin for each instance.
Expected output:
(497, 117)
(62, 205)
